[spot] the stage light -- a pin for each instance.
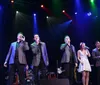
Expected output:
(89, 14)
(63, 11)
(42, 6)
(47, 17)
(34, 14)
(91, 1)
(75, 12)
(17, 12)
(12, 1)
(35, 24)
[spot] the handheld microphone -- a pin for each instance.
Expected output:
(22, 36)
(86, 47)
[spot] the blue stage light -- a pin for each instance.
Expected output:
(89, 14)
(75, 12)
(34, 14)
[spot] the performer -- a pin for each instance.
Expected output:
(96, 57)
(69, 59)
(17, 59)
(40, 58)
(84, 65)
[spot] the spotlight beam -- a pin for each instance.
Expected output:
(69, 17)
(35, 27)
(44, 8)
(93, 7)
(92, 1)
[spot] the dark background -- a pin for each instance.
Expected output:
(53, 35)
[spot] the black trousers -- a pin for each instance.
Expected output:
(98, 75)
(69, 72)
(20, 69)
(36, 69)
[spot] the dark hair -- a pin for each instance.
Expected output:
(19, 33)
(97, 42)
(81, 44)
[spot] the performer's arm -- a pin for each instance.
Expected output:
(8, 55)
(46, 54)
(75, 57)
(34, 49)
(62, 47)
(94, 55)
(26, 47)
(78, 55)
(88, 53)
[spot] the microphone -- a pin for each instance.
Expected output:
(86, 47)
(22, 36)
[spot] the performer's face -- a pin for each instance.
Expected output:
(83, 45)
(67, 39)
(98, 44)
(19, 36)
(36, 38)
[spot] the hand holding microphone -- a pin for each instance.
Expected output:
(23, 38)
(5, 64)
(86, 47)
(88, 53)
